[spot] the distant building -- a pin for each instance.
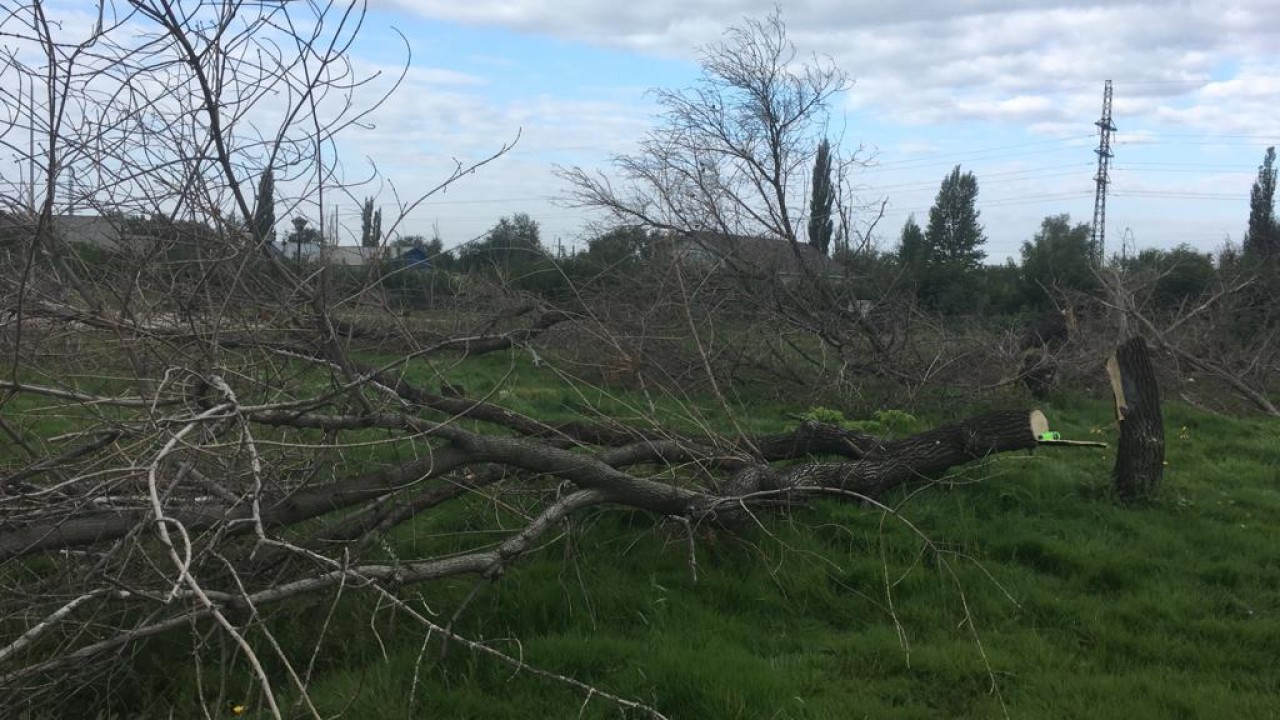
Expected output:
(345, 255)
(754, 255)
(119, 234)
(352, 255)
(415, 257)
(93, 230)
(116, 233)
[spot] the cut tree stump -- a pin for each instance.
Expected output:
(1140, 455)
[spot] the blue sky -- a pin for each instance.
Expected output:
(1009, 91)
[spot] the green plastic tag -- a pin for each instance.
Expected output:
(1050, 436)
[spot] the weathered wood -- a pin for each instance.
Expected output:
(1039, 423)
(872, 466)
(894, 463)
(1140, 456)
(1072, 443)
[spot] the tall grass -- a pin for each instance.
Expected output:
(1016, 587)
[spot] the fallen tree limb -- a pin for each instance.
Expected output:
(889, 464)
(875, 467)
(695, 482)
(467, 346)
(91, 526)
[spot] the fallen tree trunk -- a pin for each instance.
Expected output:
(873, 466)
(880, 466)
(692, 479)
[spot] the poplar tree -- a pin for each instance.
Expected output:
(912, 250)
(821, 226)
(264, 208)
(370, 225)
(954, 236)
(1262, 240)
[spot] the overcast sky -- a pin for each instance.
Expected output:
(1008, 90)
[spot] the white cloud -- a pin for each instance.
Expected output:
(434, 122)
(953, 70)
(1243, 104)
(931, 65)
(940, 61)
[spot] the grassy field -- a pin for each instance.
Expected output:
(1016, 588)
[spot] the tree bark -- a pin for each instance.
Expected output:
(1140, 456)
(872, 467)
(890, 464)
(88, 527)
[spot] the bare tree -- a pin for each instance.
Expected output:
(1224, 342)
(731, 154)
(197, 427)
(724, 178)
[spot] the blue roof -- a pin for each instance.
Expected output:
(415, 256)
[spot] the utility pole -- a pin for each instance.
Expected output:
(1105, 128)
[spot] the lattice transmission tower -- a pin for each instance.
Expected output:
(1103, 178)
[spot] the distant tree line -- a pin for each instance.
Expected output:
(939, 265)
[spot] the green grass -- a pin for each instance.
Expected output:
(1021, 588)
(1036, 594)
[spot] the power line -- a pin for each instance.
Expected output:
(1167, 140)
(1002, 202)
(1158, 166)
(1255, 136)
(1006, 176)
(1179, 194)
(979, 154)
